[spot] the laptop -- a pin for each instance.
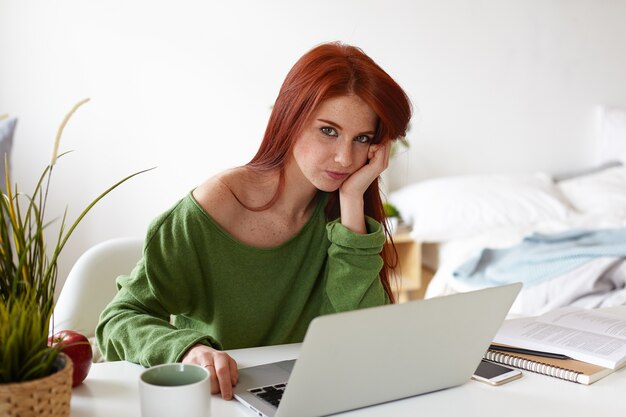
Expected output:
(360, 358)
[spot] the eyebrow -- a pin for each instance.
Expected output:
(368, 132)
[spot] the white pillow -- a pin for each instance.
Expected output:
(599, 193)
(447, 208)
(612, 140)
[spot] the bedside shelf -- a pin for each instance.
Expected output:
(406, 280)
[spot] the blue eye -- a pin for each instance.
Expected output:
(328, 131)
(363, 139)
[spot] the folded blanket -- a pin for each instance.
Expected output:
(541, 257)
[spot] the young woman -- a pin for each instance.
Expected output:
(252, 255)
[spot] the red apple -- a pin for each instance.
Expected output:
(77, 347)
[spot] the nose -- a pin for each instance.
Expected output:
(343, 153)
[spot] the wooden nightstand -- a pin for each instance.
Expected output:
(406, 281)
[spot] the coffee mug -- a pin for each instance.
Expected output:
(175, 389)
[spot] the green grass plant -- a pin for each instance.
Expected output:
(28, 273)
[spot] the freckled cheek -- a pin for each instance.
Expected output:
(309, 158)
(361, 158)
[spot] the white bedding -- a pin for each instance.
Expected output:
(600, 282)
(517, 207)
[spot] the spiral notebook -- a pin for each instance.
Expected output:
(567, 369)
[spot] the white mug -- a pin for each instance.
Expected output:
(175, 389)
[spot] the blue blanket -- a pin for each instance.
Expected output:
(541, 257)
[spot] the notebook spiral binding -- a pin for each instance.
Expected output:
(532, 366)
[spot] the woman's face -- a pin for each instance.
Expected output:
(335, 143)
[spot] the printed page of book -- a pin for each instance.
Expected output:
(594, 321)
(601, 348)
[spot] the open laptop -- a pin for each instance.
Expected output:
(370, 356)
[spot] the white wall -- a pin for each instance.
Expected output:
(498, 86)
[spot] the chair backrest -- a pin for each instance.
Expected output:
(90, 285)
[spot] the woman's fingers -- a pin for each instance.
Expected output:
(215, 386)
(222, 368)
(378, 160)
(372, 151)
(234, 373)
(381, 155)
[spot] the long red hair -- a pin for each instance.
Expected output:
(327, 71)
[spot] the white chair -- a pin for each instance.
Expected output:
(90, 285)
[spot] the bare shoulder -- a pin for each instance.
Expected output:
(227, 198)
(217, 194)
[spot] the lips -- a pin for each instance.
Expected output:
(337, 175)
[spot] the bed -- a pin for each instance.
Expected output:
(563, 236)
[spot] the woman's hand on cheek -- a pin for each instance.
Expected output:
(378, 160)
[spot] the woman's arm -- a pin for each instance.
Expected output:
(354, 265)
(352, 190)
(168, 281)
(353, 268)
(135, 327)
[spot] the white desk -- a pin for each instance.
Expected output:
(111, 390)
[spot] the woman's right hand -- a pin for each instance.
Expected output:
(221, 366)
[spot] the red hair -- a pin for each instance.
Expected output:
(327, 71)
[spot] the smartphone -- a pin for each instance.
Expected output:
(495, 374)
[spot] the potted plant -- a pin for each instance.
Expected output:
(35, 378)
(392, 216)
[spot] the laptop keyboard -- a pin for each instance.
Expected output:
(270, 393)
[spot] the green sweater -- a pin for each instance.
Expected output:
(197, 284)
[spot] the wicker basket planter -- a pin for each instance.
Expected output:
(44, 397)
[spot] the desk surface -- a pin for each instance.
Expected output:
(111, 389)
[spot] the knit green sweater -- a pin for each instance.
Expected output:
(197, 284)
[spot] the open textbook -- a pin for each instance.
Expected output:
(592, 336)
